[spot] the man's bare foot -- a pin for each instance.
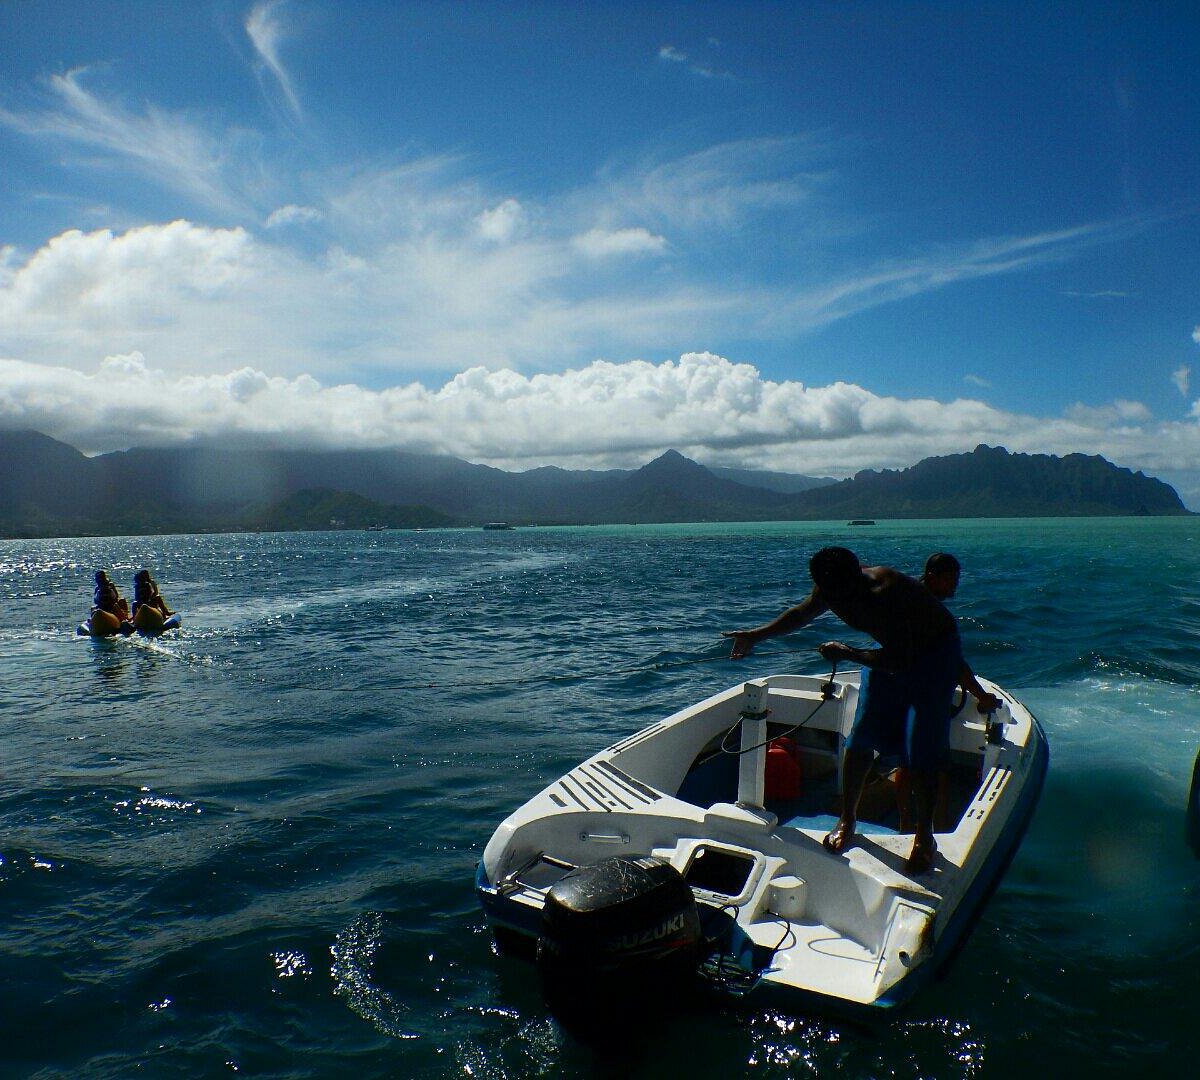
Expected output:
(920, 861)
(839, 838)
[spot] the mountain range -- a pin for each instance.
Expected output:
(50, 489)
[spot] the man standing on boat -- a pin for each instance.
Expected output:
(907, 684)
(941, 576)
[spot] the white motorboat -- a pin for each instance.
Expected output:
(736, 794)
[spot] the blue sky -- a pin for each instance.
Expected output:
(806, 237)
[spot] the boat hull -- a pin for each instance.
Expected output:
(852, 931)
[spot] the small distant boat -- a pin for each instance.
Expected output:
(698, 841)
(495, 525)
(861, 521)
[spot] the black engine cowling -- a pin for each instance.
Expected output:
(625, 927)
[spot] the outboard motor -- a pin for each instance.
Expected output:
(618, 934)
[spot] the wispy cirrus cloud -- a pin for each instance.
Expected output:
(423, 265)
(1181, 377)
(292, 215)
(451, 286)
(719, 187)
(602, 242)
(166, 148)
(267, 31)
(672, 55)
(851, 294)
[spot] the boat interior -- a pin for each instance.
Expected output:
(802, 790)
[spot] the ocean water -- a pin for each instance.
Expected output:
(248, 848)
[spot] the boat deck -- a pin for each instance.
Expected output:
(714, 779)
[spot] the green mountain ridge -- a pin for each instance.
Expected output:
(50, 489)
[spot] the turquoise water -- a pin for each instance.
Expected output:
(248, 848)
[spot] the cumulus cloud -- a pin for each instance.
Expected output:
(425, 297)
(428, 270)
(197, 299)
(599, 415)
(266, 30)
(1118, 412)
(100, 272)
(500, 223)
(84, 290)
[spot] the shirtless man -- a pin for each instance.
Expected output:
(916, 666)
(940, 576)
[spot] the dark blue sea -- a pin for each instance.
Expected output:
(247, 848)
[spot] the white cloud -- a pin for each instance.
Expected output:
(599, 243)
(407, 285)
(200, 300)
(267, 32)
(500, 224)
(602, 414)
(977, 380)
(168, 149)
(1181, 377)
(421, 295)
(672, 55)
(100, 293)
(1196, 335)
(292, 215)
(1116, 413)
(851, 294)
(720, 186)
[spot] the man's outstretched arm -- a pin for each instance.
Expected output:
(795, 617)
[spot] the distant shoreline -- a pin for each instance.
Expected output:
(883, 526)
(48, 488)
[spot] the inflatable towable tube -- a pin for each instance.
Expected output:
(102, 624)
(150, 621)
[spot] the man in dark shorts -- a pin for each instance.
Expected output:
(941, 576)
(907, 684)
